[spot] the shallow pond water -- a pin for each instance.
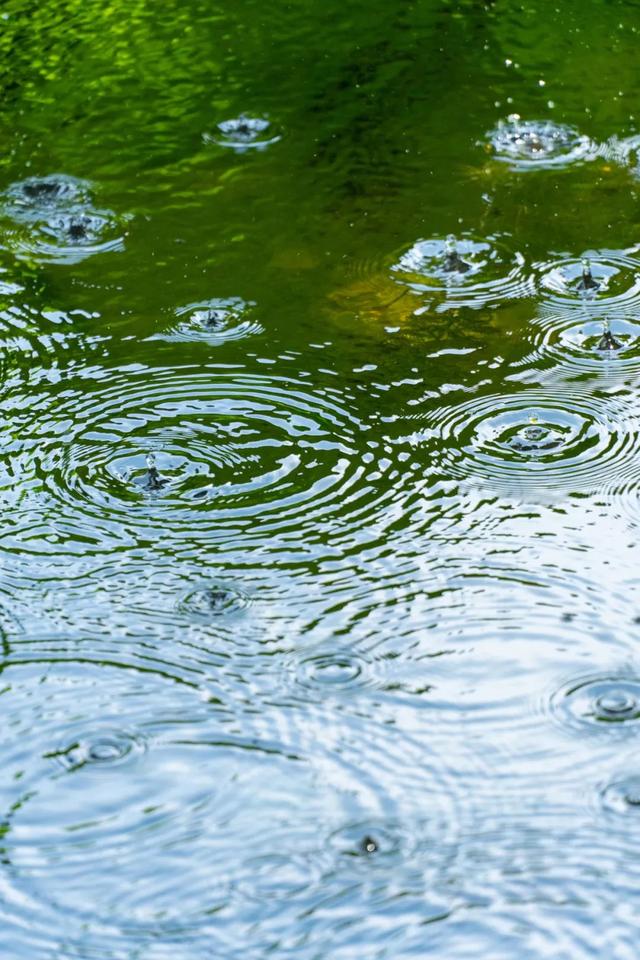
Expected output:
(320, 476)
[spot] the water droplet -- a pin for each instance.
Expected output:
(453, 262)
(607, 340)
(105, 749)
(215, 600)
(335, 669)
(622, 797)
(586, 283)
(616, 704)
(538, 143)
(599, 701)
(368, 845)
(244, 133)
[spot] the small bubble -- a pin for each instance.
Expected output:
(369, 845)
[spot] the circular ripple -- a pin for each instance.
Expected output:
(536, 144)
(244, 133)
(337, 671)
(564, 443)
(589, 342)
(374, 839)
(25, 199)
(615, 274)
(172, 816)
(202, 804)
(468, 272)
(104, 748)
(598, 702)
(622, 798)
(180, 455)
(215, 320)
(215, 600)
(71, 237)
(51, 219)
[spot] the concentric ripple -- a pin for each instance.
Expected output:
(532, 442)
(201, 804)
(371, 839)
(614, 284)
(214, 600)
(537, 144)
(622, 798)
(587, 342)
(467, 272)
(103, 748)
(51, 219)
(598, 702)
(244, 133)
(191, 455)
(215, 321)
(333, 671)
(26, 198)
(240, 819)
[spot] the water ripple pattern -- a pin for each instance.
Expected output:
(464, 271)
(586, 339)
(319, 480)
(243, 133)
(598, 702)
(75, 801)
(531, 442)
(51, 219)
(613, 282)
(214, 452)
(539, 144)
(214, 321)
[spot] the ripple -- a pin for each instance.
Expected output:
(378, 839)
(217, 808)
(244, 133)
(84, 714)
(583, 342)
(622, 798)
(616, 274)
(535, 888)
(278, 877)
(532, 442)
(539, 144)
(52, 220)
(104, 748)
(600, 701)
(245, 821)
(467, 272)
(26, 198)
(213, 451)
(335, 670)
(214, 600)
(215, 321)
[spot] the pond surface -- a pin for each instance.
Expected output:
(320, 476)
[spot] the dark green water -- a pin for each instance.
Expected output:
(318, 580)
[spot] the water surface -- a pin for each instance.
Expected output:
(320, 340)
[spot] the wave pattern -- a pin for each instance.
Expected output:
(530, 442)
(51, 220)
(537, 144)
(465, 272)
(327, 648)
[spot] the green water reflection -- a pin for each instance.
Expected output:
(319, 490)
